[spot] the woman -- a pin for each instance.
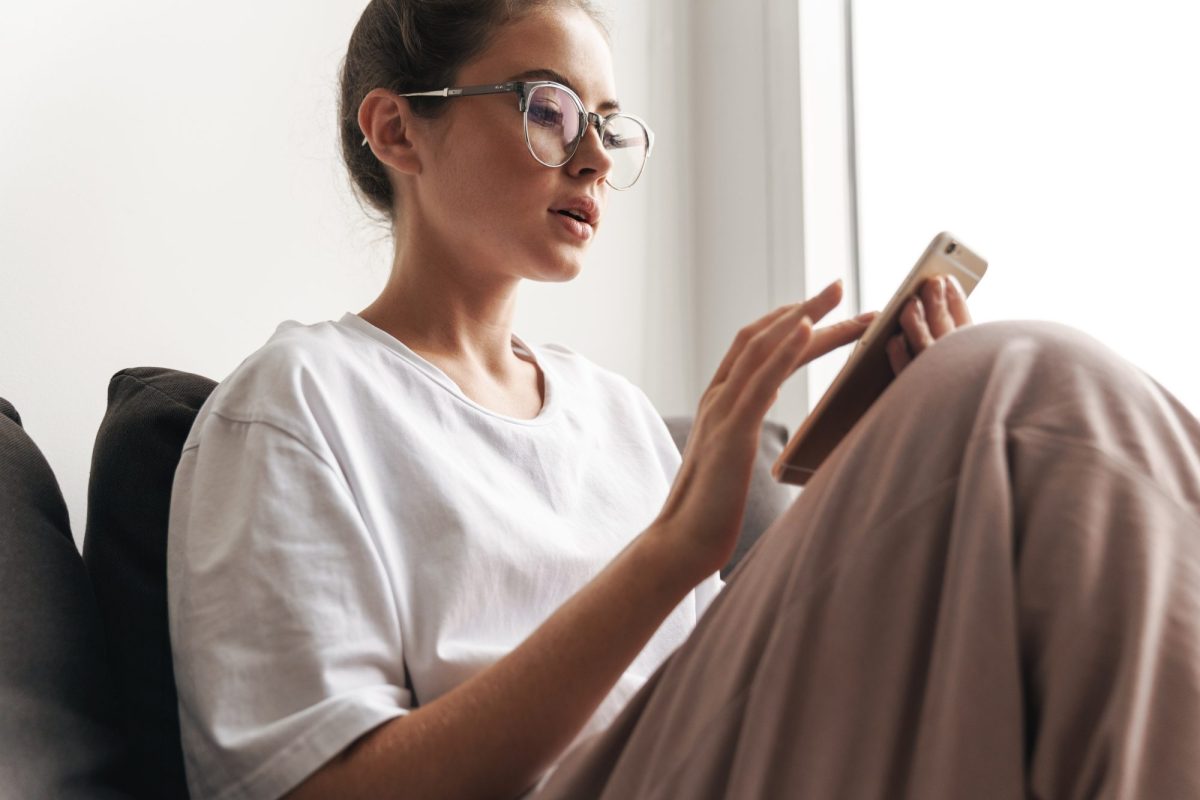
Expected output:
(411, 555)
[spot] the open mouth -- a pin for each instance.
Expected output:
(573, 215)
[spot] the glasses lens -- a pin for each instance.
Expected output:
(552, 125)
(627, 142)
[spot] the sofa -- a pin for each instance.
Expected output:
(86, 681)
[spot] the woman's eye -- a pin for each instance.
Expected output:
(546, 115)
(613, 141)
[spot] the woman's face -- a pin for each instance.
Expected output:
(491, 204)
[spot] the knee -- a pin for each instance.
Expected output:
(1029, 367)
(1022, 366)
(1048, 341)
(1033, 350)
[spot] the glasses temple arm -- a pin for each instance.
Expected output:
(464, 91)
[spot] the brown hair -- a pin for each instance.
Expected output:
(412, 46)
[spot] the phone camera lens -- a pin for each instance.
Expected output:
(950, 248)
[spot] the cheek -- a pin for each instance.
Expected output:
(493, 195)
(495, 185)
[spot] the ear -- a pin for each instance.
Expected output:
(386, 120)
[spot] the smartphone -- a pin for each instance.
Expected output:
(867, 373)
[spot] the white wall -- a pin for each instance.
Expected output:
(170, 190)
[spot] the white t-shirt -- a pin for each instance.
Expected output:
(342, 510)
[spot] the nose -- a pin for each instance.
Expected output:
(591, 157)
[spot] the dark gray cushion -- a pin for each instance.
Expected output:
(150, 411)
(767, 498)
(59, 735)
(7, 409)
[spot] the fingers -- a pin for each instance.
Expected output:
(766, 345)
(744, 336)
(939, 308)
(816, 308)
(762, 385)
(825, 301)
(956, 299)
(831, 337)
(916, 329)
(937, 312)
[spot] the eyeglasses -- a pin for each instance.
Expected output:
(553, 133)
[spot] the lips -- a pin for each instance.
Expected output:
(582, 209)
(579, 230)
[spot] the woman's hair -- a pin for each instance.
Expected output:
(413, 46)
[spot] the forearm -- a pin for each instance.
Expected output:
(496, 733)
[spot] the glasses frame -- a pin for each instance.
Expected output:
(523, 89)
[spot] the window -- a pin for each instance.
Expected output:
(1059, 140)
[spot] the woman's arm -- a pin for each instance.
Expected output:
(495, 734)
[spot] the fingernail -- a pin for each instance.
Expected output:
(866, 316)
(939, 290)
(920, 307)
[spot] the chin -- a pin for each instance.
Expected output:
(560, 270)
(569, 272)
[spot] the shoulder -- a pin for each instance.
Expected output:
(292, 382)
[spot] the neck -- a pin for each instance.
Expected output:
(448, 312)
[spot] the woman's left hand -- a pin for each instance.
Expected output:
(939, 308)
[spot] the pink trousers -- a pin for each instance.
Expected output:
(991, 590)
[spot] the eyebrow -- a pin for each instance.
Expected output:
(551, 75)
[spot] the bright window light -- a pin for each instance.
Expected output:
(1061, 140)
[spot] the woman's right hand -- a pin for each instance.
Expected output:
(702, 517)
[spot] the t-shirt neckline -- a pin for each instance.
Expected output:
(435, 373)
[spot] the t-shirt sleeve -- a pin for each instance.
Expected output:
(284, 626)
(707, 591)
